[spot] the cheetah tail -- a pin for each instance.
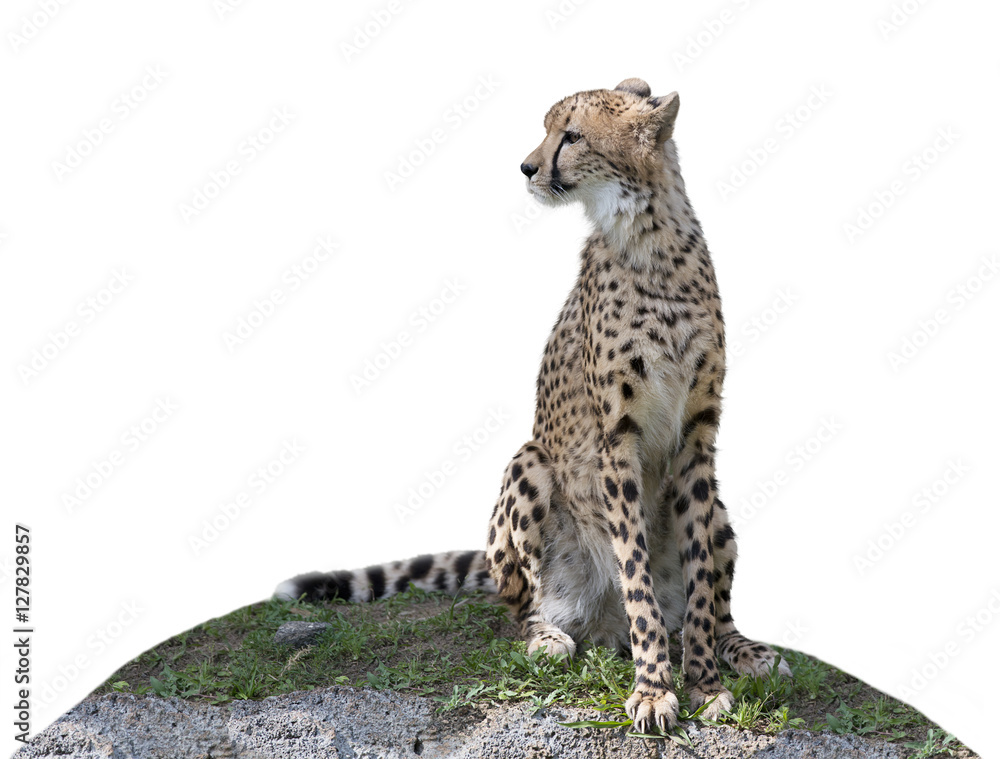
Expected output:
(448, 572)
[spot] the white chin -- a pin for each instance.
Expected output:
(545, 197)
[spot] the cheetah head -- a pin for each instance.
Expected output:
(598, 140)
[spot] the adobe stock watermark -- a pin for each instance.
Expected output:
(58, 340)
(94, 647)
(786, 127)
(559, 13)
(971, 627)
(795, 461)
(122, 107)
(708, 33)
(419, 321)
(453, 118)
(792, 635)
(32, 24)
(954, 301)
(898, 17)
(103, 469)
(260, 480)
(365, 33)
(437, 477)
(894, 531)
(223, 8)
(531, 213)
(290, 280)
(248, 151)
(912, 171)
(754, 328)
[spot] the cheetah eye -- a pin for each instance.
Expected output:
(571, 137)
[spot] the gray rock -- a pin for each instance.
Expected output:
(365, 724)
(299, 634)
(801, 744)
(119, 726)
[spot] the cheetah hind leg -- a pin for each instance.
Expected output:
(745, 656)
(514, 550)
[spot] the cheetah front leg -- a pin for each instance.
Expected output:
(654, 700)
(515, 544)
(692, 499)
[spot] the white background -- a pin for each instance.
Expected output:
(813, 310)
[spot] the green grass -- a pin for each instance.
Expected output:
(234, 657)
(938, 743)
(463, 651)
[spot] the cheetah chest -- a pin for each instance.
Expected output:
(659, 413)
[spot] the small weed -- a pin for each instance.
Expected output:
(746, 714)
(935, 745)
(771, 691)
(811, 678)
(880, 717)
(779, 720)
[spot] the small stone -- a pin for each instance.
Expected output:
(299, 634)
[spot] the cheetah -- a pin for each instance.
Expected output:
(609, 528)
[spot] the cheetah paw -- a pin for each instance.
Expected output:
(722, 703)
(646, 710)
(553, 644)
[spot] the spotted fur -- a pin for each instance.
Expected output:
(446, 572)
(609, 527)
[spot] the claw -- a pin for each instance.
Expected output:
(646, 710)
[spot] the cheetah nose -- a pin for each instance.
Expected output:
(528, 170)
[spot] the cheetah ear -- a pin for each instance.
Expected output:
(663, 115)
(635, 86)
